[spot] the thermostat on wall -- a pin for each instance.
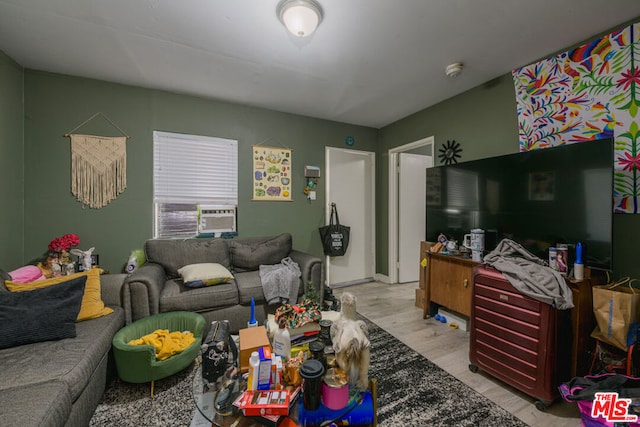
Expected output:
(311, 171)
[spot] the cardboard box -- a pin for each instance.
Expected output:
(420, 297)
(251, 339)
(265, 402)
(269, 420)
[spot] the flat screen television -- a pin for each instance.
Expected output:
(537, 198)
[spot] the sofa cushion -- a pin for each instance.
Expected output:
(176, 296)
(248, 255)
(71, 360)
(249, 285)
(39, 404)
(204, 274)
(41, 314)
(174, 254)
(92, 305)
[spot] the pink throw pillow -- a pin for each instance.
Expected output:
(26, 274)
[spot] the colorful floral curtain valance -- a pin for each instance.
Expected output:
(587, 93)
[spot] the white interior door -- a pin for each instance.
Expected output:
(411, 213)
(350, 185)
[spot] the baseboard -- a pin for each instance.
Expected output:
(351, 283)
(381, 278)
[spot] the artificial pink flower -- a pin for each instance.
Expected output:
(64, 243)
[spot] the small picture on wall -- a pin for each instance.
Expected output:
(542, 186)
(272, 178)
(95, 262)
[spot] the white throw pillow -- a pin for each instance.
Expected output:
(204, 274)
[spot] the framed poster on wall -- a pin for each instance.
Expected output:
(272, 179)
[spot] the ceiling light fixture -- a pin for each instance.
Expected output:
(453, 70)
(301, 17)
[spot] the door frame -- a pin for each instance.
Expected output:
(370, 156)
(393, 201)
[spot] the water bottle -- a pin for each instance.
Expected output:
(282, 342)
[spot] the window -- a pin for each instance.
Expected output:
(189, 170)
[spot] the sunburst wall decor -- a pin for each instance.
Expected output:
(450, 152)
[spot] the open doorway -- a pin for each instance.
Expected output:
(351, 186)
(407, 165)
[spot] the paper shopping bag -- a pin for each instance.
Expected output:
(616, 307)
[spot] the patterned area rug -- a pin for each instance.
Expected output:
(412, 391)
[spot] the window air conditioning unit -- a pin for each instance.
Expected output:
(217, 218)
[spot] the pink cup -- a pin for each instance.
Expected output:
(335, 389)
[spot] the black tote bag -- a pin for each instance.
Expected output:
(335, 237)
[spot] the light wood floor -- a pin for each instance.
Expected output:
(392, 307)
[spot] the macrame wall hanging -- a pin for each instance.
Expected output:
(98, 166)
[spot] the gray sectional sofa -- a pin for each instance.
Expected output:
(157, 287)
(60, 383)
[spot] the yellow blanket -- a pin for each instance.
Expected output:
(166, 343)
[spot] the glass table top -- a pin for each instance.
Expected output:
(224, 392)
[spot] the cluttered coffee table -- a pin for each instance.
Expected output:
(215, 406)
(307, 388)
(214, 403)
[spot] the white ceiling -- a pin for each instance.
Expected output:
(371, 62)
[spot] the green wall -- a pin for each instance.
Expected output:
(11, 163)
(484, 121)
(55, 104)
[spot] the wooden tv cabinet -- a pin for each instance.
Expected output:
(448, 280)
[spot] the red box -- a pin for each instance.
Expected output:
(265, 402)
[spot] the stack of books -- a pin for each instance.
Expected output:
(299, 339)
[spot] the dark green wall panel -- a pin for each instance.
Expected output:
(484, 121)
(11, 163)
(35, 160)
(55, 104)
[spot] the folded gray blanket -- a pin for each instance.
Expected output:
(281, 282)
(530, 275)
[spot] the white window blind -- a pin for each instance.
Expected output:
(189, 170)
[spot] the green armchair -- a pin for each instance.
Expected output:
(138, 363)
